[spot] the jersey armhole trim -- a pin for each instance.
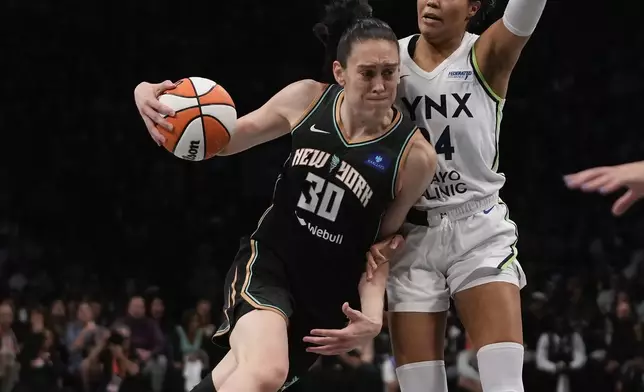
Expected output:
(399, 160)
(312, 108)
(479, 75)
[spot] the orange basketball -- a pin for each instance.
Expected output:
(204, 119)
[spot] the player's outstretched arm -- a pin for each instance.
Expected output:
(608, 179)
(499, 47)
(274, 119)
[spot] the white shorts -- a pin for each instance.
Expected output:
(459, 248)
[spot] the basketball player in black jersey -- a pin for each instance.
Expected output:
(356, 167)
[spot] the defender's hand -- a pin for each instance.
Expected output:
(381, 252)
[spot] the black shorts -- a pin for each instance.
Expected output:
(258, 280)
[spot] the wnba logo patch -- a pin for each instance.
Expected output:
(378, 161)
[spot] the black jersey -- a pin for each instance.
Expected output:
(330, 196)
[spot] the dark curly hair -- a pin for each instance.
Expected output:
(345, 23)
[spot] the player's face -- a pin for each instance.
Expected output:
(443, 19)
(372, 74)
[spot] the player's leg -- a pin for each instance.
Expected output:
(418, 303)
(486, 287)
(224, 368)
(418, 344)
(491, 313)
(259, 343)
(256, 309)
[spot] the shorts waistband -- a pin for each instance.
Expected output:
(434, 216)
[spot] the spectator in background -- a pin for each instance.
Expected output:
(624, 347)
(204, 310)
(9, 366)
(147, 342)
(120, 362)
(194, 359)
(58, 319)
(467, 368)
(79, 339)
(100, 317)
(606, 297)
(41, 366)
(561, 354)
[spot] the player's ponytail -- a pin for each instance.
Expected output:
(345, 22)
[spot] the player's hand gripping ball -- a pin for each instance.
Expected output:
(204, 119)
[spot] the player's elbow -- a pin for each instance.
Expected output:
(427, 159)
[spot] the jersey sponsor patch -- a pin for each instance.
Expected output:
(464, 75)
(379, 162)
(320, 232)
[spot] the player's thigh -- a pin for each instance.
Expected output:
(416, 280)
(417, 336)
(259, 342)
(487, 280)
(224, 368)
(491, 310)
(256, 312)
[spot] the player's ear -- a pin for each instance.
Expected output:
(475, 6)
(338, 73)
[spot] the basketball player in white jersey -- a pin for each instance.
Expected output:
(608, 179)
(460, 242)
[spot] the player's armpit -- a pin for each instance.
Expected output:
(275, 118)
(415, 174)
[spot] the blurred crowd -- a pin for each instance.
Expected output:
(583, 332)
(113, 252)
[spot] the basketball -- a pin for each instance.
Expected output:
(204, 119)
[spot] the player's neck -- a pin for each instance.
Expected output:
(360, 126)
(430, 54)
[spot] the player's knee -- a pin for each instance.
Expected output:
(501, 367)
(422, 376)
(269, 375)
(417, 337)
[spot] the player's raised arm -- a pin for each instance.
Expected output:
(499, 47)
(274, 119)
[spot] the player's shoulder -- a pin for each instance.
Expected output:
(403, 43)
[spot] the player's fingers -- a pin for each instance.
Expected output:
(156, 118)
(333, 333)
(352, 314)
(154, 132)
(397, 241)
(327, 350)
(378, 256)
(158, 107)
(596, 183)
(321, 340)
(163, 86)
(611, 186)
(372, 266)
(624, 202)
(576, 180)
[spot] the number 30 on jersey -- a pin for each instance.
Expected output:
(324, 201)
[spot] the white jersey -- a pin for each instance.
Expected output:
(462, 115)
